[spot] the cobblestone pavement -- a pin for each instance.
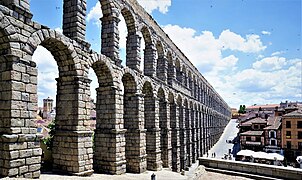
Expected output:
(218, 176)
(161, 175)
(165, 174)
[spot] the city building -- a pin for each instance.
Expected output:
(47, 107)
(287, 104)
(267, 107)
(252, 133)
(272, 134)
(292, 134)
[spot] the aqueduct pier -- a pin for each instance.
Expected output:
(167, 115)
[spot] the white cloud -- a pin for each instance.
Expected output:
(268, 80)
(257, 86)
(278, 53)
(205, 51)
(233, 41)
(270, 63)
(151, 5)
(265, 32)
(95, 13)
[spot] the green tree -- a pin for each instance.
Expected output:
(241, 109)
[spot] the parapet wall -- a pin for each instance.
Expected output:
(253, 168)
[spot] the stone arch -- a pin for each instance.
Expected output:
(165, 130)
(151, 111)
(71, 86)
(135, 149)
(178, 71)
(184, 75)
(194, 125)
(189, 85)
(130, 20)
(133, 41)
(149, 53)
(171, 68)
(110, 32)
(175, 140)
(194, 87)
(60, 47)
(162, 66)
(109, 115)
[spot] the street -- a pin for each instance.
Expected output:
(222, 147)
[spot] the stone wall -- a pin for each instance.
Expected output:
(168, 115)
(252, 168)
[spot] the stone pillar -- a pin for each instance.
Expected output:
(188, 135)
(110, 37)
(184, 79)
(20, 152)
(109, 135)
(179, 75)
(72, 144)
(171, 72)
(135, 134)
(165, 138)
(150, 60)
(21, 7)
(74, 22)
(133, 58)
(183, 139)
(203, 132)
(162, 66)
(193, 135)
(151, 108)
(197, 130)
(206, 131)
(174, 117)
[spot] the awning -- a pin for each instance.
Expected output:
(262, 155)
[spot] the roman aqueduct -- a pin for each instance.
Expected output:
(167, 115)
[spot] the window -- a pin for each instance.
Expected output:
(258, 139)
(273, 142)
(299, 125)
(262, 126)
(248, 138)
(299, 145)
(288, 125)
(288, 145)
(299, 134)
(272, 134)
(288, 134)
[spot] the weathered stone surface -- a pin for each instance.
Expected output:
(163, 116)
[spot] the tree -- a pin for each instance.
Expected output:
(241, 109)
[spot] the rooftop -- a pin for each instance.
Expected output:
(252, 133)
(297, 113)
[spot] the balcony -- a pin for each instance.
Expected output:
(253, 143)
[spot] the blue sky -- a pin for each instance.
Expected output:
(249, 50)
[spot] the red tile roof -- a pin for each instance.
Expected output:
(251, 133)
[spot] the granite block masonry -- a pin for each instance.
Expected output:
(166, 115)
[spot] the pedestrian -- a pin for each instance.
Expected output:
(214, 154)
(207, 154)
